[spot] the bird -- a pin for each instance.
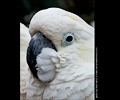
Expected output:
(59, 57)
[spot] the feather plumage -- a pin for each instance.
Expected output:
(73, 64)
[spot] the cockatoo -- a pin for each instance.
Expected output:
(60, 56)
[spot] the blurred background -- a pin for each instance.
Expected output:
(83, 8)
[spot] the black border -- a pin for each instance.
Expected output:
(10, 51)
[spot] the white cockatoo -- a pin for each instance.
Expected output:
(60, 56)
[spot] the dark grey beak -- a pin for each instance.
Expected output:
(37, 43)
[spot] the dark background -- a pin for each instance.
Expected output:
(83, 8)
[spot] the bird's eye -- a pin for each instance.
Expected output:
(68, 39)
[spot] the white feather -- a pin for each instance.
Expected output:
(24, 73)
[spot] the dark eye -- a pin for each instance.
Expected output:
(68, 39)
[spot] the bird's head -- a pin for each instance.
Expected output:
(66, 31)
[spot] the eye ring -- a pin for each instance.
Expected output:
(68, 38)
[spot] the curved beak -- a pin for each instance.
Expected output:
(36, 44)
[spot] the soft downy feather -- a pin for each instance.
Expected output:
(74, 80)
(24, 73)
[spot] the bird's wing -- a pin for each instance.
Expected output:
(24, 72)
